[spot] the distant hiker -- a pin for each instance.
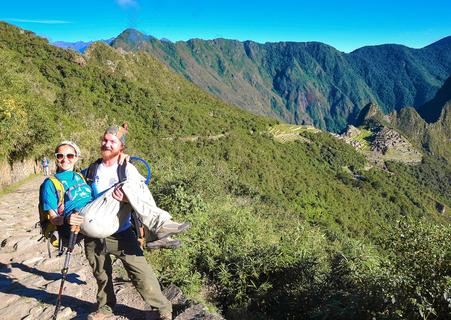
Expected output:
(45, 166)
(123, 243)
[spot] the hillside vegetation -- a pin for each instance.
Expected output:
(280, 229)
(303, 82)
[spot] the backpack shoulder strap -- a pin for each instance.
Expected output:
(121, 171)
(92, 171)
(60, 192)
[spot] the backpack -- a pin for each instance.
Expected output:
(137, 225)
(49, 231)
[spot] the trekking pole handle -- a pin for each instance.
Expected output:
(75, 229)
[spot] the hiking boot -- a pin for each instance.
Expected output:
(102, 313)
(170, 228)
(166, 243)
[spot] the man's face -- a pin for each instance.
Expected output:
(111, 146)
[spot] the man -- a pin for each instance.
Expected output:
(123, 243)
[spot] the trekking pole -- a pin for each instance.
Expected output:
(72, 240)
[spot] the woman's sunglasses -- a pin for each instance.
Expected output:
(60, 156)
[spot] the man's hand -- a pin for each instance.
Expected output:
(123, 157)
(75, 219)
(119, 194)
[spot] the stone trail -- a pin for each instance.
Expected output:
(30, 280)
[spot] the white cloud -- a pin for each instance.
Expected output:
(38, 21)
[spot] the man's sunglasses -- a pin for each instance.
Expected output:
(60, 156)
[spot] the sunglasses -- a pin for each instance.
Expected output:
(60, 156)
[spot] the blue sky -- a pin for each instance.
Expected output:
(344, 24)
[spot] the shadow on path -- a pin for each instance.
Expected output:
(71, 277)
(12, 286)
(81, 307)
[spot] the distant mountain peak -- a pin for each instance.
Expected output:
(132, 31)
(370, 112)
(133, 35)
(80, 46)
(302, 82)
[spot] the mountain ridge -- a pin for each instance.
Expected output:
(322, 86)
(314, 83)
(444, 40)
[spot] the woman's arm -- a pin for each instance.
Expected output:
(55, 218)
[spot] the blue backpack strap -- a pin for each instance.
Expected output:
(92, 171)
(146, 164)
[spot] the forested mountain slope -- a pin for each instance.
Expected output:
(305, 82)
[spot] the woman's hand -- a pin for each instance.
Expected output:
(123, 157)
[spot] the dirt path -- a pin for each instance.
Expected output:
(29, 279)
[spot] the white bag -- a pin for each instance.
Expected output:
(105, 215)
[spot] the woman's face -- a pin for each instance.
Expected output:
(65, 158)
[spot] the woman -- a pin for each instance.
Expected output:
(77, 193)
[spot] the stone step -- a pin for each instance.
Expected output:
(64, 313)
(7, 299)
(18, 310)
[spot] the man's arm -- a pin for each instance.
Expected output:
(119, 194)
(132, 174)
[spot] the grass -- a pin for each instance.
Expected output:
(287, 133)
(13, 187)
(364, 138)
(402, 156)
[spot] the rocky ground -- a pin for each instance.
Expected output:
(30, 280)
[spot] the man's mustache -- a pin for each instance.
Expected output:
(106, 149)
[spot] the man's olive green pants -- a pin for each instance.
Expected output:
(124, 246)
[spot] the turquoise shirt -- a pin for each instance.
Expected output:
(77, 193)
